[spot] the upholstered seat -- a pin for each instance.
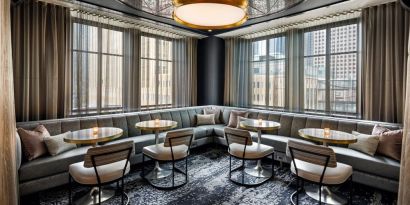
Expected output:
(108, 172)
(160, 152)
(253, 151)
(313, 172)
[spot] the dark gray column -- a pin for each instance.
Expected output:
(211, 71)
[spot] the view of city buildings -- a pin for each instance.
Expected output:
(329, 66)
(268, 73)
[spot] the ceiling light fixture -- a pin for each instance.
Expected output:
(210, 14)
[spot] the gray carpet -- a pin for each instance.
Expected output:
(209, 184)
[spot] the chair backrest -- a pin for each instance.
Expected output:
(238, 136)
(179, 137)
(315, 154)
(107, 154)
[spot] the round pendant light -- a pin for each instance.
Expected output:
(210, 14)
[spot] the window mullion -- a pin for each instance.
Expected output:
(99, 71)
(327, 68)
(156, 71)
(267, 70)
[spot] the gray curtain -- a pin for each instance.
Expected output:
(132, 87)
(404, 188)
(184, 72)
(41, 59)
(385, 29)
(237, 72)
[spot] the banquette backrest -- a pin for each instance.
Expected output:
(186, 117)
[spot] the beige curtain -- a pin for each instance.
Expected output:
(385, 29)
(8, 169)
(404, 186)
(41, 59)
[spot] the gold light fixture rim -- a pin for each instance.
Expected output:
(242, 4)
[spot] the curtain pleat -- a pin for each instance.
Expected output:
(184, 72)
(384, 62)
(132, 94)
(41, 59)
(237, 72)
(404, 188)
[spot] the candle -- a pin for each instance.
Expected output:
(95, 130)
(260, 121)
(327, 132)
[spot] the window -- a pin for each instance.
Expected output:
(156, 72)
(330, 69)
(97, 69)
(268, 71)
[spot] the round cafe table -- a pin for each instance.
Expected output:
(259, 125)
(157, 126)
(92, 137)
(333, 137)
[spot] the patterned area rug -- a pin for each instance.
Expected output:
(209, 184)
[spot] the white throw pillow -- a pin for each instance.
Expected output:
(56, 145)
(365, 143)
(205, 119)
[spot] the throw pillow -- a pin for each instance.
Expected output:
(240, 119)
(205, 119)
(216, 112)
(390, 142)
(233, 117)
(33, 142)
(365, 143)
(56, 145)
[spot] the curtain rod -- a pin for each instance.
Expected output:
(272, 30)
(110, 14)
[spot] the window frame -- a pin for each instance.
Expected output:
(99, 53)
(328, 54)
(157, 60)
(267, 70)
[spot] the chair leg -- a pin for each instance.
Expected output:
(173, 173)
(243, 171)
(230, 165)
(351, 191)
(297, 190)
(143, 166)
(320, 194)
(186, 169)
(122, 190)
(273, 164)
(99, 195)
(69, 189)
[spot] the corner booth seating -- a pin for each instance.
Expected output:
(51, 171)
